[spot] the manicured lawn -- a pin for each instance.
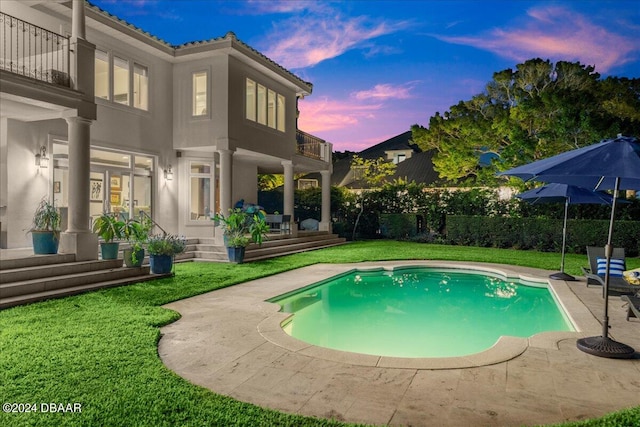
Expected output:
(100, 349)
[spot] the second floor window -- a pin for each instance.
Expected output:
(120, 80)
(265, 106)
(140, 87)
(199, 94)
(114, 77)
(102, 74)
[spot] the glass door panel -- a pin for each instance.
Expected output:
(141, 195)
(119, 192)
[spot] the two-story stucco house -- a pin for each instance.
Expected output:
(100, 116)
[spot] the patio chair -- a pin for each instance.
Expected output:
(616, 284)
(633, 304)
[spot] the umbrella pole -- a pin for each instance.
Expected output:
(564, 233)
(604, 346)
(562, 275)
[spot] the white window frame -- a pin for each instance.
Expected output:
(100, 52)
(304, 183)
(264, 106)
(207, 96)
(116, 59)
(210, 175)
(131, 66)
(140, 98)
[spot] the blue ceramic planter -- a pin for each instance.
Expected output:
(45, 242)
(236, 254)
(160, 264)
(109, 250)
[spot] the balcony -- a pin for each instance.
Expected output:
(31, 51)
(313, 147)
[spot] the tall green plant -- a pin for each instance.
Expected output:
(46, 217)
(241, 228)
(373, 173)
(109, 227)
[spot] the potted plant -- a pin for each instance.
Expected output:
(162, 249)
(136, 233)
(45, 230)
(109, 228)
(240, 229)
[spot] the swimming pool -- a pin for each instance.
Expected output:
(419, 312)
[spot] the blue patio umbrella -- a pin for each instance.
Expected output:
(611, 164)
(569, 195)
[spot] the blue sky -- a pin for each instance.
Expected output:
(379, 67)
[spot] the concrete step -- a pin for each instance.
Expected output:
(288, 250)
(56, 269)
(74, 290)
(257, 252)
(292, 240)
(210, 256)
(35, 260)
(53, 283)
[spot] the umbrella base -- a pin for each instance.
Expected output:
(562, 276)
(605, 347)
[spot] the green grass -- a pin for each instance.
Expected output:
(100, 349)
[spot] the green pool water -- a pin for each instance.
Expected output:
(419, 312)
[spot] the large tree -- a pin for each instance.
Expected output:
(535, 111)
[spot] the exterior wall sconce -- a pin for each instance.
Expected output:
(41, 158)
(168, 173)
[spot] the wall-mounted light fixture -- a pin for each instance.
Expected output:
(41, 158)
(168, 173)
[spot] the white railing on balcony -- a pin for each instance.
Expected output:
(34, 52)
(313, 147)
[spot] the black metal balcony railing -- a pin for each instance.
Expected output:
(34, 52)
(312, 146)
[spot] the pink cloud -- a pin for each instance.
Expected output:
(556, 33)
(385, 91)
(318, 115)
(306, 41)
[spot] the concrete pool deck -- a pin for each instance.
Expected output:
(230, 342)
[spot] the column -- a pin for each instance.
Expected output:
(226, 177)
(287, 209)
(325, 215)
(225, 181)
(78, 238)
(77, 23)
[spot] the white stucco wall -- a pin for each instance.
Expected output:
(245, 182)
(148, 132)
(200, 132)
(251, 135)
(28, 183)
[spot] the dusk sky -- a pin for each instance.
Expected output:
(378, 67)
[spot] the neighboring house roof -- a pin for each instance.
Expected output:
(398, 142)
(418, 167)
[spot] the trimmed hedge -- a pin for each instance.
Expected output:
(540, 234)
(399, 226)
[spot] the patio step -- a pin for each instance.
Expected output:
(74, 290)
(272, 249)
(35, 260)
(276, 245)
(38, 281)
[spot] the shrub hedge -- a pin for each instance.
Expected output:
(540, 233)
